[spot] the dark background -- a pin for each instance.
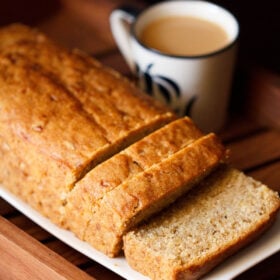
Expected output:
(259, 23)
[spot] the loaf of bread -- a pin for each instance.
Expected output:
(227, 211)
(146, 152)
(62, 113)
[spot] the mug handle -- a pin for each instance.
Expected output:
(121, 20)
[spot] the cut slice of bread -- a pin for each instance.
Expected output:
(149, 191)
(136, 158)
(227, 211)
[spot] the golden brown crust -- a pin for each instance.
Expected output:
(113, 103)
(111, 100)
(40, 112)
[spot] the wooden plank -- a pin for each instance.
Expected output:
(238, 127)
(25, 224)
(269, 175)
(84, 24)
(255, 150)
(76, 33)
(67, 252)
(115, 61)
(24, 258)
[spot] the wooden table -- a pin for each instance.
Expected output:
(29, 252)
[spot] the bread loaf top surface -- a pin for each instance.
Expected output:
(66, 103)
(39, 111)
(109, 98)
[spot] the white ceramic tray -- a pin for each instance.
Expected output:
(267, 245)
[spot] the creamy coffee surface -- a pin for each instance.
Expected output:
(184, 36)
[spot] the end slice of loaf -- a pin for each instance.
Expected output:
(227, 211)
(135, 159)
(149, 191)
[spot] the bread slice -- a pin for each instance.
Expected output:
(149, 191)
(136, 158)
(227, 211)
(62, 113)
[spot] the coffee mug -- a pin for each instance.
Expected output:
(193, 77)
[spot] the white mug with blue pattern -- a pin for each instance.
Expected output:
(198, 86)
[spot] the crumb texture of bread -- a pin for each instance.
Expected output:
(223, 214)
(149, 191)
(64, 113)
(136, 158)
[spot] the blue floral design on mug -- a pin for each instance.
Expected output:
(164, 89)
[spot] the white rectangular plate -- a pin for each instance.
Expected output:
(267, 245)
